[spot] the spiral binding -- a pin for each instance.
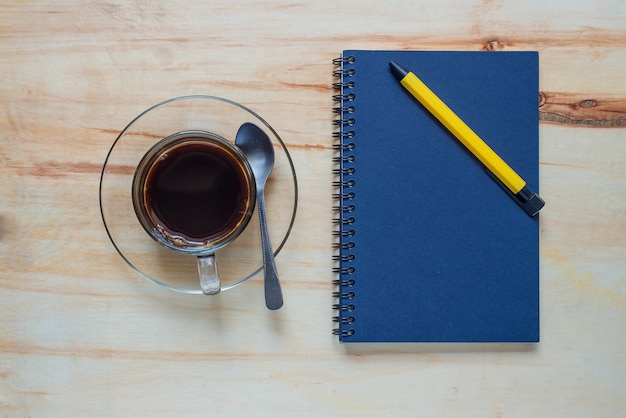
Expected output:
(344, 196)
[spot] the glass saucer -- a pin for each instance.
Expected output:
(240, 260)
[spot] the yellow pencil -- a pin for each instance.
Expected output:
(496, 166)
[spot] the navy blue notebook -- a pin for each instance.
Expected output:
(429, 247)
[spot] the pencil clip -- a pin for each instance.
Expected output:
(530, 202)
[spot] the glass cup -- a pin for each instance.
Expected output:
(194, 192)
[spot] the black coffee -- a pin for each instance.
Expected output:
(196, 191)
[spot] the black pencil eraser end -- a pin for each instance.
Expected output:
(533, 205)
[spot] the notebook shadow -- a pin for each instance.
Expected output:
(437, 348)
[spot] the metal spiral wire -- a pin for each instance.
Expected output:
(344, 196)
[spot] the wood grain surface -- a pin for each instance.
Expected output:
(81, 334)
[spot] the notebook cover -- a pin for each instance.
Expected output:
(441, 253)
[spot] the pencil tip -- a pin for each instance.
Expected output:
(397, 70)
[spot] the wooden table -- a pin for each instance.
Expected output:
(82, 335)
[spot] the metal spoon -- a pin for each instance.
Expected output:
(257, 147)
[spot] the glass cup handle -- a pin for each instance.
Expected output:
(209, 276)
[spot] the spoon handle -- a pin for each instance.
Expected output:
(273, 292)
